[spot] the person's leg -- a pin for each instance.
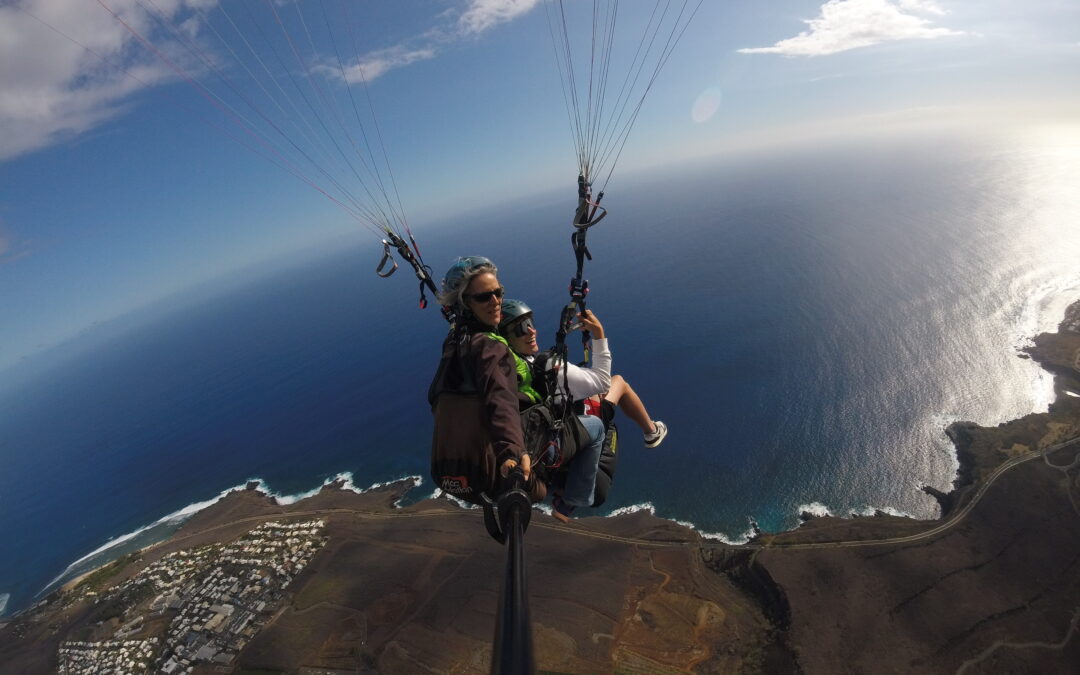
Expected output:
(624, 396)
(581, 475)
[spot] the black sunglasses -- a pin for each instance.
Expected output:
(486, 295)
(522, 328)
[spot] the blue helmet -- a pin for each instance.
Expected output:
(459, 274)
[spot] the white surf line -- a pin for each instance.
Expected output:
(183, 514)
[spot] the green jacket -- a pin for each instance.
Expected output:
(524, 376)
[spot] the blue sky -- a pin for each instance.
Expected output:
(120, 183)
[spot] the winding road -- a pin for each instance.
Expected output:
(952, 521)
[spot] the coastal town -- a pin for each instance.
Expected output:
(197, 606)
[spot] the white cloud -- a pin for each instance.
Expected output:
(927, 6)
(51, 86)
(68, 66)
(478, 17)
(850, 24)
(481, 15)
(377, 63)
(11, 249)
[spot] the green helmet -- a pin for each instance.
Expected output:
(512, 310)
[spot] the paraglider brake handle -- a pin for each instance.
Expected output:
(386, 258)
(585, 216)
(497, 514)
(591, 219)
(423, 272)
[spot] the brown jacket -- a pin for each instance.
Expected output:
(477, 423)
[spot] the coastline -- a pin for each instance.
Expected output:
(960, 434)
(933, 596)
(70, 585)
(957, 592)
(175, 520)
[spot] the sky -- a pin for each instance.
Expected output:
(149, 146)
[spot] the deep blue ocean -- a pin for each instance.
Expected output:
(805, 321)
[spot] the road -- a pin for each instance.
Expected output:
(576, 528)
(947, 524)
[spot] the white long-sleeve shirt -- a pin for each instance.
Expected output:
(586, 382)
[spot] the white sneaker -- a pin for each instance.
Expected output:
(653, 440)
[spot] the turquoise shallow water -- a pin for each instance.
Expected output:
(806, 322)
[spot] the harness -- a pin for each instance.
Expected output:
(551, 429)
(525, 378)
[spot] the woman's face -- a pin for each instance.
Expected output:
(483, 296)
(522, 337)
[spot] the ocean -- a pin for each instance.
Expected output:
(806, 321)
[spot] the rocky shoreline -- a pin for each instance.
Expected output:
(410, 589)
(995, 589)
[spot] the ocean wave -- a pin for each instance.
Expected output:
(545, 508)
(742, 538)
(1042, 307)
(4, 597)
(344, 480)
(1040, 312)
(174, 518)
(819, 510)
(944, 445)
(417, 481)
(866, 511)
(633, 508)
(814, 509)
(941, 422)
(439, 494)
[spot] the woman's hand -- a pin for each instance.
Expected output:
(526, 466)
(590, 323)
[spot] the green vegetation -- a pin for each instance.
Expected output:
(96, 581)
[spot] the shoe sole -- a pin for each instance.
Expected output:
(658, 441)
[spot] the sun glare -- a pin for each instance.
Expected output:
(706, 105)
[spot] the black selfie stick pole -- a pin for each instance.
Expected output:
(512, 651)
